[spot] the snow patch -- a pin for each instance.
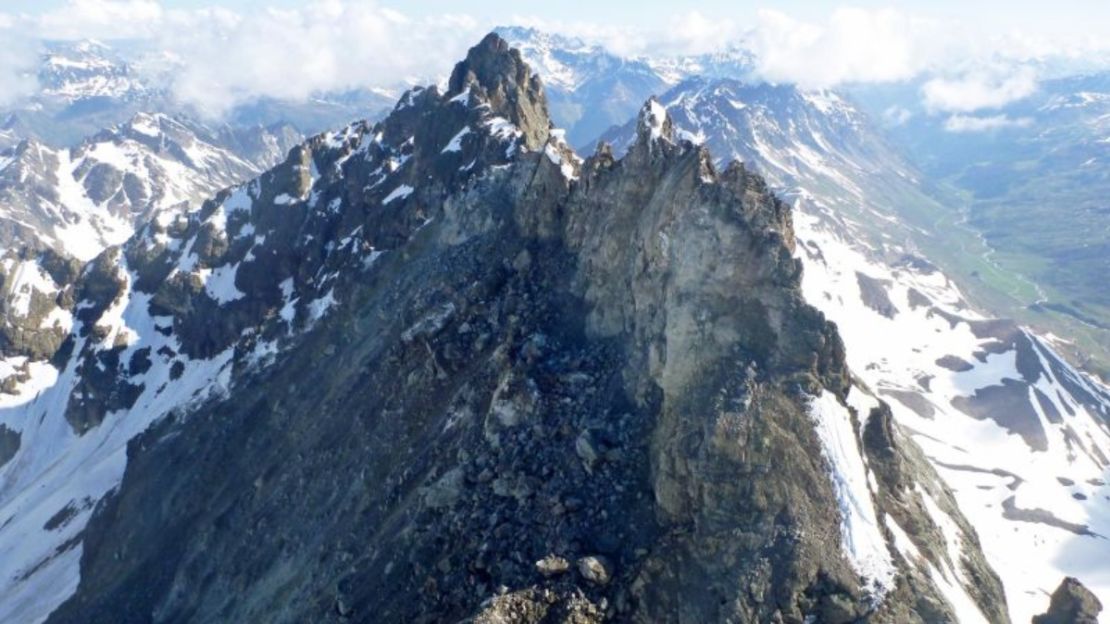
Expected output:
(400, 192)
(862, 536)
(455, 145)
(220, 284)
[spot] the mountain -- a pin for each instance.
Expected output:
(322, 111)
(1033, 181)
(86, 86)
(79, 201)
(1020, 436)
(88, 69)
(798, 139)
(440, 368)
(994, 194)
(591, 89)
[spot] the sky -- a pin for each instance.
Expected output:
(1062, 17)
(971, 55)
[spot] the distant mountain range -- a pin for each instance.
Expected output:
(591, 89)
(87, 86)
(81, 200)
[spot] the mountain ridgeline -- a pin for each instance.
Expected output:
(440, 368)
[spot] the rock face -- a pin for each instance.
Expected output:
(467, 375)
(1019, 435)
(1071, 604)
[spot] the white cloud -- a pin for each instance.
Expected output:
(222, 58)
(327, 46)
(972, 123)
(684, 34)
(855, 45)
(19, 61)
(895, 116)
(981, 89)
(108, 19)
(694, 33)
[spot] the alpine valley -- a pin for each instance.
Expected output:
(567, 338)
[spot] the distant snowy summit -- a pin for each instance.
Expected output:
(591, 89)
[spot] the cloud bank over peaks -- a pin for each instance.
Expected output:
(332, 45)
(980, 89)
(19, 61)
(853, 46)
(216, 58)
(970, 123)
(105, 19)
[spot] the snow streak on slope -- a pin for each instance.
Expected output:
(862, 535)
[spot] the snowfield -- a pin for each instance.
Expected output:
(1039, 501)
(862, 535)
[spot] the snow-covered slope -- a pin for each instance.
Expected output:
(8, 138)
(1021, 437)
(816, 140)
(83, 199)
(88, 69)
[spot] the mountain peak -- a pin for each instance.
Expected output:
(525, 36)
(500, 76)
(653, 122)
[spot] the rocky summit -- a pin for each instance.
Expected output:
(441, 368)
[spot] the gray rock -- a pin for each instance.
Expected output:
(446, 490)
(595, 569)
(9, 444)
(1071, 603)
(552, 565)
(586, 450)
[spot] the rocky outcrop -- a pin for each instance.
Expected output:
(1071, 604)
(474, 377)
